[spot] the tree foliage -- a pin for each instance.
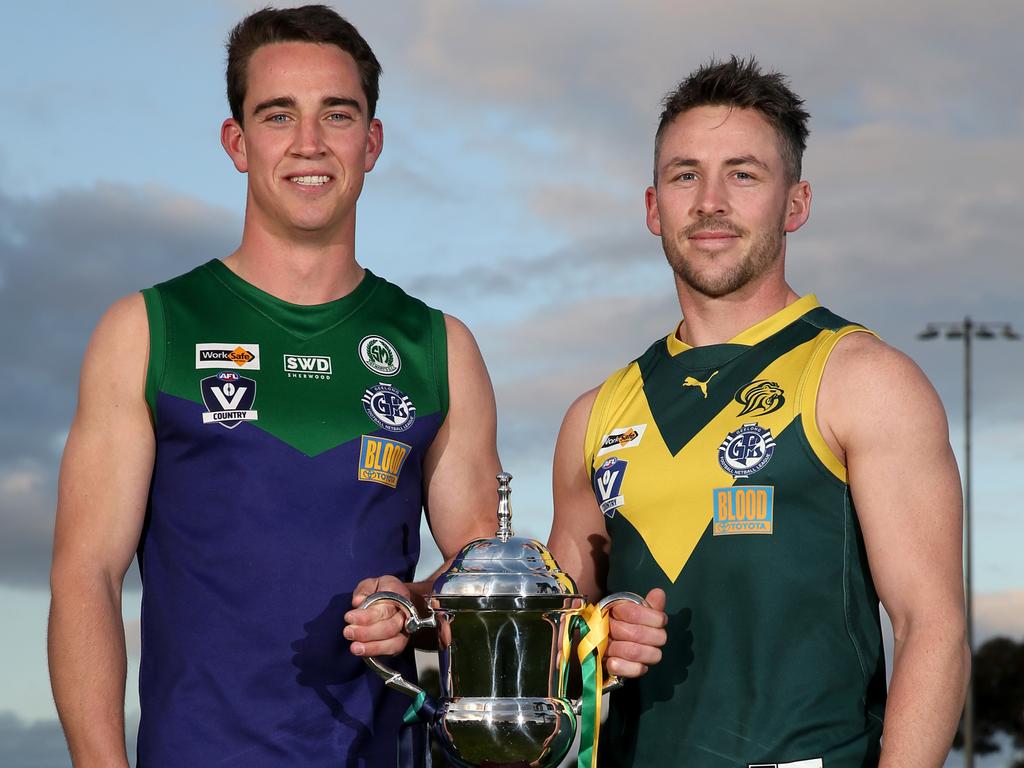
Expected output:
(998, 671)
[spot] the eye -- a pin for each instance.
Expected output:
(687, 176)
(278, 119)
(744, 176)
(339, 117)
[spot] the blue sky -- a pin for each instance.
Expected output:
(517, 147)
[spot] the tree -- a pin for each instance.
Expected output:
(998, 671)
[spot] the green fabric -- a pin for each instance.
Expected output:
(774, 649)
(202, 306)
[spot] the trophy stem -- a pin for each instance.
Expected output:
(505, 531)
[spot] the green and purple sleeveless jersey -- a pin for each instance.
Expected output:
(289, 461)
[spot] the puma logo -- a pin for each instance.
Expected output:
(689, 381)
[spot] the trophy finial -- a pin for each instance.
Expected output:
(504, 506)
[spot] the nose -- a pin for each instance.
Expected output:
(308, 139)
(712, 198)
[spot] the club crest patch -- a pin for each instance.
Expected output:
(379, 355)
(608, 485)
(381, 460)
(743, 509)
(228, 398)
(389, 407)
(225, 355)
(623, 437)
(760, 397)
(747, 450)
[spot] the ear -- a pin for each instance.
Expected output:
(653, 215)
(798, 207)
(374, 144)
(232, 138)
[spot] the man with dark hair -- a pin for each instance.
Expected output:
(264, 431)
(776, 470)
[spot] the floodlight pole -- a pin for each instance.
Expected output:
(966, 330)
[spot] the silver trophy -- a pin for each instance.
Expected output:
(502, 613)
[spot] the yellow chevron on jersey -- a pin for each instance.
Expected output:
(666, 491)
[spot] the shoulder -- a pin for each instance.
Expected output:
(578, 414)
(869, 389)
(123, 325)
(862, 365)
(462, 346)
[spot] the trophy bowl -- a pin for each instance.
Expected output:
(504, 614)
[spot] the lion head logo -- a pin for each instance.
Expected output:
(760, 397)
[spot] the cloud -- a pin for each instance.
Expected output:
(63, 259)
(32, 745)
(41, 744)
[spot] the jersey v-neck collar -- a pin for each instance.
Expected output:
(755, 333)
(303, 321)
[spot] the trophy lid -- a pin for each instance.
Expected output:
(507, 565)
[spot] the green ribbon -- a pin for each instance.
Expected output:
(414, 713)
(590, 708)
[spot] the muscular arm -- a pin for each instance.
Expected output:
(580, 545)
(878, 412)
(578, 537)
(460, 488)
(104, 482)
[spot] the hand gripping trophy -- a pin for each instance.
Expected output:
(505, 616)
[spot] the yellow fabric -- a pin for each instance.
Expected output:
(668, 498)
(760, 331)
(807, 402)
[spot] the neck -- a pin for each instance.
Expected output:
(716, 320)
(311, 270)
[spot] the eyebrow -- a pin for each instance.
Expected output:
(690, 162)
(287, 102)
(747, 160)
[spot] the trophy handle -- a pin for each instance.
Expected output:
(614, 681)
(413, 624)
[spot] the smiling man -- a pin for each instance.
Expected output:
(776, 470)
(264, 431)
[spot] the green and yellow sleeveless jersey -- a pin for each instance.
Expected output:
(718, 487)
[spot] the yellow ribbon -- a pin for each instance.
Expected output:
(591, 655)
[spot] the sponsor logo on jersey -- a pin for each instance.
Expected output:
(389, 407)
(223, 355)
(608, 485)
(379, 355)
(747, 450)
(760, 397)
(228, 398)
(690, 381)
(815, 763)
(381, 460)
(307, 366)
(622, 437)
(743, 509)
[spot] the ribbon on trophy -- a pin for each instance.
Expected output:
(593, 629)
(422, 710)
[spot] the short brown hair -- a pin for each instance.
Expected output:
(308, 24)
(740, 83)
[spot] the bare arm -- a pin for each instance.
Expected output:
(882, 415)
(580, 545)
(104, 482)
(461, 492)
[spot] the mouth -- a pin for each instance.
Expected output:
(310, 180)
(713, 234)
